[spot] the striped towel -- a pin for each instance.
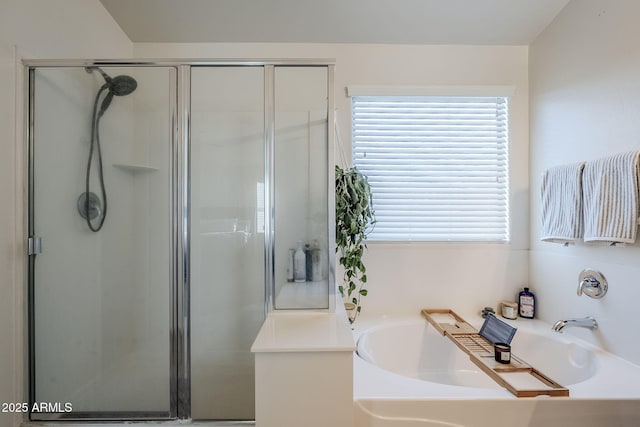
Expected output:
(562, 204)
(610, 191)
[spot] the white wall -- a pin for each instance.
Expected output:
(408, 277)
(35, 29)
(585, 87)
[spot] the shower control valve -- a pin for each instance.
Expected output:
(592, 283)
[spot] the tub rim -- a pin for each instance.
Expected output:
(610, 381)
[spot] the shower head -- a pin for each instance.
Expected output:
(122, 85)
(119, 86)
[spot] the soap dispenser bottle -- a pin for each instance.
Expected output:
(300, 264)
(526, 304)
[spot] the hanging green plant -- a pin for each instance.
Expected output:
(354, 217)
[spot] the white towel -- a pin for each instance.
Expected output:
(610, 192)
(562, 204)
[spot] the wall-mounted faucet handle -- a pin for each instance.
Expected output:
(592, 283)
(589, 283)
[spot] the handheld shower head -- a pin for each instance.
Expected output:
(122, 85)
(117, 86)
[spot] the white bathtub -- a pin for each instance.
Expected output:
(408, 375)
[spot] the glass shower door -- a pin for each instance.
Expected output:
(101, 287)
(227, 238)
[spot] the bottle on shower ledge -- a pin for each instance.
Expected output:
(290, 264)
(316, 266)
(308, 262)
(300, 264)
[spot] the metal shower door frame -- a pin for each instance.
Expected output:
(180, 328)
(179, 243)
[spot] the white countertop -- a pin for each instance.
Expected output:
(303, 331)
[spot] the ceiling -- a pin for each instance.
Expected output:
(475, 22)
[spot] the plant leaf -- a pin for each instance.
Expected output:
(354, 218)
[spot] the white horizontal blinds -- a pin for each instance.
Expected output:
(437, 166)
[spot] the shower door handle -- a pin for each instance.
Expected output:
(34, 245)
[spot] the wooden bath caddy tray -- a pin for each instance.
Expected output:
(520, 378)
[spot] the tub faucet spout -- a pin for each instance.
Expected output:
(588, 322)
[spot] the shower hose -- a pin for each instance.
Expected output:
(95, 147)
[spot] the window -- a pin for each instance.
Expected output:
(437, 166)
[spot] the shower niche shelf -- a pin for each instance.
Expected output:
(134, 168)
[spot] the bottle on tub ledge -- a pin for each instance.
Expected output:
(526, 304)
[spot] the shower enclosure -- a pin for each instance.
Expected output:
(163, 202)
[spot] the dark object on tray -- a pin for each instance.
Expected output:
(502, 352)
(495, 330)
